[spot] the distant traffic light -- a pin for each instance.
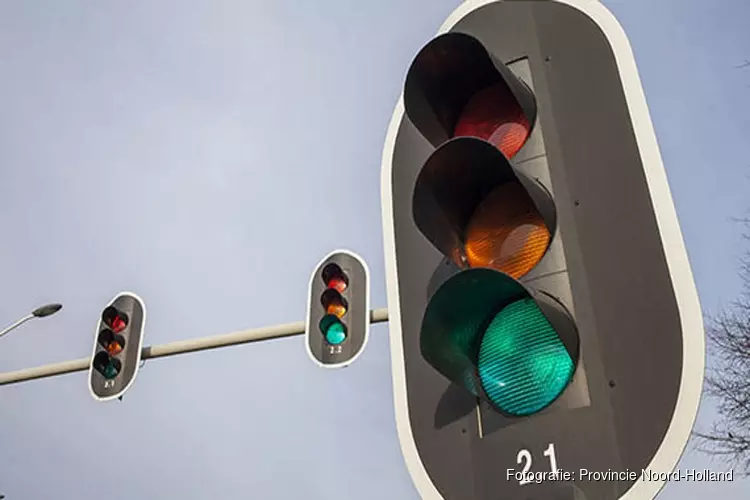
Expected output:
(541, 305)
(338, 310)
(117, 349)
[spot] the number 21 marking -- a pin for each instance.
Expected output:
(524, 456)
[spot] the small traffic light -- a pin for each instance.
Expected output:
(542, 311)
(117, 348)
(338, 310)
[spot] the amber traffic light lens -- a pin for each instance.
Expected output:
(506, 232)
(337, 310)
(114, 348)
(333, 303)
(113, 343)
(494, 114)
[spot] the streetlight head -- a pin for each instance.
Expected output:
(48, 310)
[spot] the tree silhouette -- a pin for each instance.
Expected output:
(728, 376)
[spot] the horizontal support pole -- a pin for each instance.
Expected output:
(179, 347)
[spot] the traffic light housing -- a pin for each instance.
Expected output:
(117, 347)
(542, 311)
(338, 310)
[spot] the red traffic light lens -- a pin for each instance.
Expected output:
(335, 278)
(115, 319)
(338, 283)
(494, 114)
(118, 324)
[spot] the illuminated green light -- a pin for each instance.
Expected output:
(523, 365)
(484, 331)
(336, 334)
(333, 330)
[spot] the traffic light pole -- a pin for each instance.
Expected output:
(179, 347)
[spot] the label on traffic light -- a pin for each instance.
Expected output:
(117, 347)
(338, 310)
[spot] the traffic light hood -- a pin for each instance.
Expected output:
(443, 78)
(515, 347)
(456, 179)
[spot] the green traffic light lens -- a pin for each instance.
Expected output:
(110, 371)
(523, 365)
(108, 366)
(336, 334)
(333, 329)
(484, 331)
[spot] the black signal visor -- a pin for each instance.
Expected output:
(455, 88)
(472, 206)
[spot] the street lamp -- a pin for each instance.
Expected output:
(39, 312)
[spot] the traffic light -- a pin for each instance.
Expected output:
(547, 340)
(338, 310)
(117, 347)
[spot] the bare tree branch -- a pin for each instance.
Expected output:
(728, 382)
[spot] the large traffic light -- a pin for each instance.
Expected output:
(117, 347)
(338, 310)
(542, 309)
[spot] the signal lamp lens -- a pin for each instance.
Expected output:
(107, 366)
(337, 283)
(115, 319)
(336, 334)
(114, 344)
(494, 114)
(506, 232)
(333, 330)
(334, 277)
(334, 303)
(110, 371)
(337, 310)
(118, 324)
(114, 348)
(523, 365)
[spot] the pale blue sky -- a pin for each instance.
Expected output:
(206, 154)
